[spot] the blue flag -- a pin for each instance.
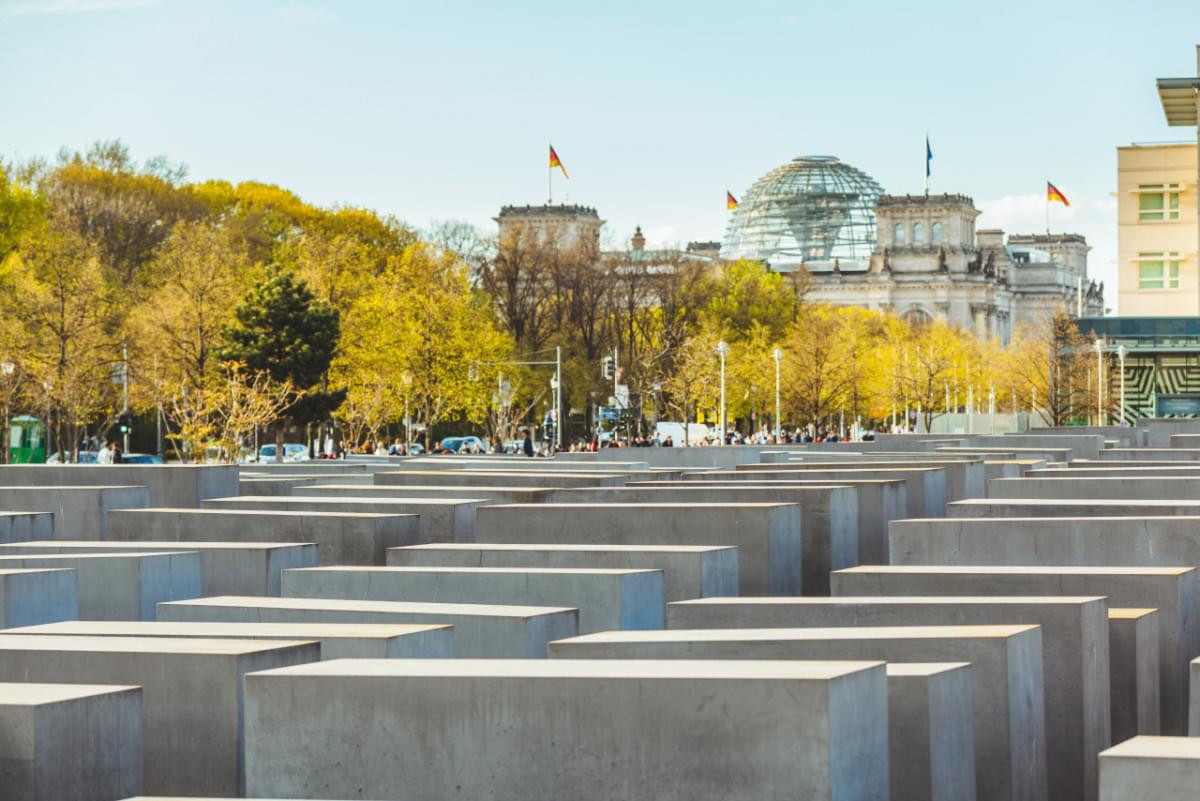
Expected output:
(928, 155)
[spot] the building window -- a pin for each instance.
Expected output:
(937, 233)
(1158, 270)
(1158, 202)
(918, 232)
(917, 317)
(898, 235)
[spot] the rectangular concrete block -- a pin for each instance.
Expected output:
(338, 640)
(556, 729)
(441, 519)
(191, 695)
(925, 486)
(480, 630)
(1172, 591)
(1099, 488)
(173, 485)
(489, 494)
(964, 474)
(606, 599)
(931, 731)
(1075, 643)
(1007, 703)
(1147, 767)
(767, 536)
(879, 502)
(1133, 669)
(500, 478)
(122, 586)
(79, 512)
(226, 568)
(690, 571)
(1066, 507)
(25, 526)
(70, 742)
(29, 596)
(341, 538)
(828, 516)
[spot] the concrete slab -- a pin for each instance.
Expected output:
(191, 695)
(480, 630)
(879, 502)
(689, 571)
(42, 595)
(589, 731)
(1065, 507)
(767, 535)
(1075, 640)
(828, 516)
(175, 485)
(75, 742)
(79, 512)
(1172, 591)
(481, 494)
(505, 478)
(1008, 710)
(338, 640)
(1150, 454)
(341, 538)
(1100, 488)
(441, 519)
(1133, 670)
(931, 731)
(122, 586)
(925, 486)
(964, 474)
(23, 526)
(606, 599)
(1082, 446)
(1161, 768)
(226, 568)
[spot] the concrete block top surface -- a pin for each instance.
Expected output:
(923, 668)
(636, 505)
(1048, 570)
(69, 487)
(144, 546)
(1126, 613)
(580, 668)
(349, 488)
(145, 645)
(412, 489)
(474, 571)
(784, 635)
(895, 600)
(159, 628)
(1155, 747)
(1149, 503)
(19, 571)
(408, 607)
(266, 513)
(501, 473)
(508, 546)
(33, 694)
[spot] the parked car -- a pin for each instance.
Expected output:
(292, 452)
(140, 458)
(463, 445)
(85, 457)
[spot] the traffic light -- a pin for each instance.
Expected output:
(608, 367)
(125, 421)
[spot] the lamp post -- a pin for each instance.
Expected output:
(49, 387)
(7, 368)
(1100, 382)
(1122, 351)
(778, 354)
(722, 349)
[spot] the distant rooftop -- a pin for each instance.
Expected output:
(1027, 239)
(549, 210)
(931, 200)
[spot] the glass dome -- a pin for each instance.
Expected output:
(812, 210)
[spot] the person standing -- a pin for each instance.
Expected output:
(527, 446)
(105, 456)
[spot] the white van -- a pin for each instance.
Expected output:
(697, 433)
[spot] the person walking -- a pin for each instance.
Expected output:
(527, 446)
(105, 456)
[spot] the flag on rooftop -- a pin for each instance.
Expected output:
(730, 200)
(1052, 193)
(555, 161)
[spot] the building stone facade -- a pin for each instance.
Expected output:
(930, 263)
(566, 226)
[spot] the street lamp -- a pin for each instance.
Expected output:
(722, 349)
(1122, 351)
(7, 368)
(778, 354)
(1100, 381)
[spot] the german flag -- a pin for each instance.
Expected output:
(730, 200)
(555, 161)
(1052, 194)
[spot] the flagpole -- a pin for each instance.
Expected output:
(926, 162)
(549, 180)
(1047, 208)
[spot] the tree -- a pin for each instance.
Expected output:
(814, 367)
(748, 294)
(695, 384)
(1049, 361)
(285, 332)
(937, 349)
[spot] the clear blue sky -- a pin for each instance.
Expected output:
(442, 110)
